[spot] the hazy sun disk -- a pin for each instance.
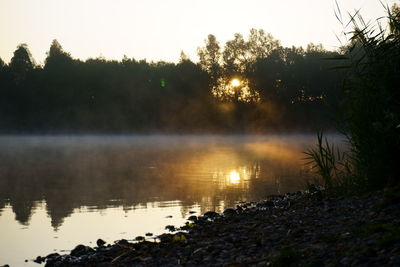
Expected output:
(235, 82)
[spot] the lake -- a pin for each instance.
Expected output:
(60, 191)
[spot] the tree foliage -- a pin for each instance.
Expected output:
(278, 89)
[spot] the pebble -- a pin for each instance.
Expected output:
(211, 214)
(170, 228)
(139, 238)
(230, 211)
(100, 242)
(192, 218)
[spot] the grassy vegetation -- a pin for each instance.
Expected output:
(371, 111)
(332, 165)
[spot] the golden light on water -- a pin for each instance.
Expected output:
(235, 82)
(234, 177)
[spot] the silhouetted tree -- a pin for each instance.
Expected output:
(56, 57)
(210, 57)
(21, 63)
(279, 88)
(261, 44)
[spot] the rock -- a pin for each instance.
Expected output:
(149, 234)
(39, 259)
(265, 205)
(139, 238)
(100, 242)
(345, 261)
(80, 250)
(123, 242)
(211, 214)
(192, 212)
(170, 228)
(192, 218)
(52, 255)
(165, 237)
(198, 250)
(394, 260)
(229, 211)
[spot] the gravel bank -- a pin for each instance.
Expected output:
(299, 229)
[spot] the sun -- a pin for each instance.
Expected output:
(235, 82)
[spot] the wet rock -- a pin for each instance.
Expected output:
(52, 255)
(80, 250)
(123, 242)
(192, 218)
(139, 238)
(100, 242)
(123, 257)
(170, 228)
(230, 211)
(39, 259)
(211, 214)
(268, 203)
(165, 237)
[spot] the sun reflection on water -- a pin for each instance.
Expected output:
(234, 177)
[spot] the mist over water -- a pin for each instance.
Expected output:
(123, 186)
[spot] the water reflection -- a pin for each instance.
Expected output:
(98, 173)
(234, 177)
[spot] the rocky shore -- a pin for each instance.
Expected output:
(298, 229)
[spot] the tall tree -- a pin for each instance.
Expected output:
(236, 55)
(261, 44)
(57, 57)
(21, 63)
(210, 57)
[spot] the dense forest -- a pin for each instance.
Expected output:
(248, 85)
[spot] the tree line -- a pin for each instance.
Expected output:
(277, 88)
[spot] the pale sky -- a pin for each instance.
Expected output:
(160, 29)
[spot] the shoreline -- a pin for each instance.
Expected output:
(295, 229)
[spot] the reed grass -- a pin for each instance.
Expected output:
(371, 109)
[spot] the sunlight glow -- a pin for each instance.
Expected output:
(235, 89)
(234, 177)
(235, 82)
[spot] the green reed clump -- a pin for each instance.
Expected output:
(371, 116)
(371, 109)
(330, 164)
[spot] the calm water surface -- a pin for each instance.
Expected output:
(57, 192)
